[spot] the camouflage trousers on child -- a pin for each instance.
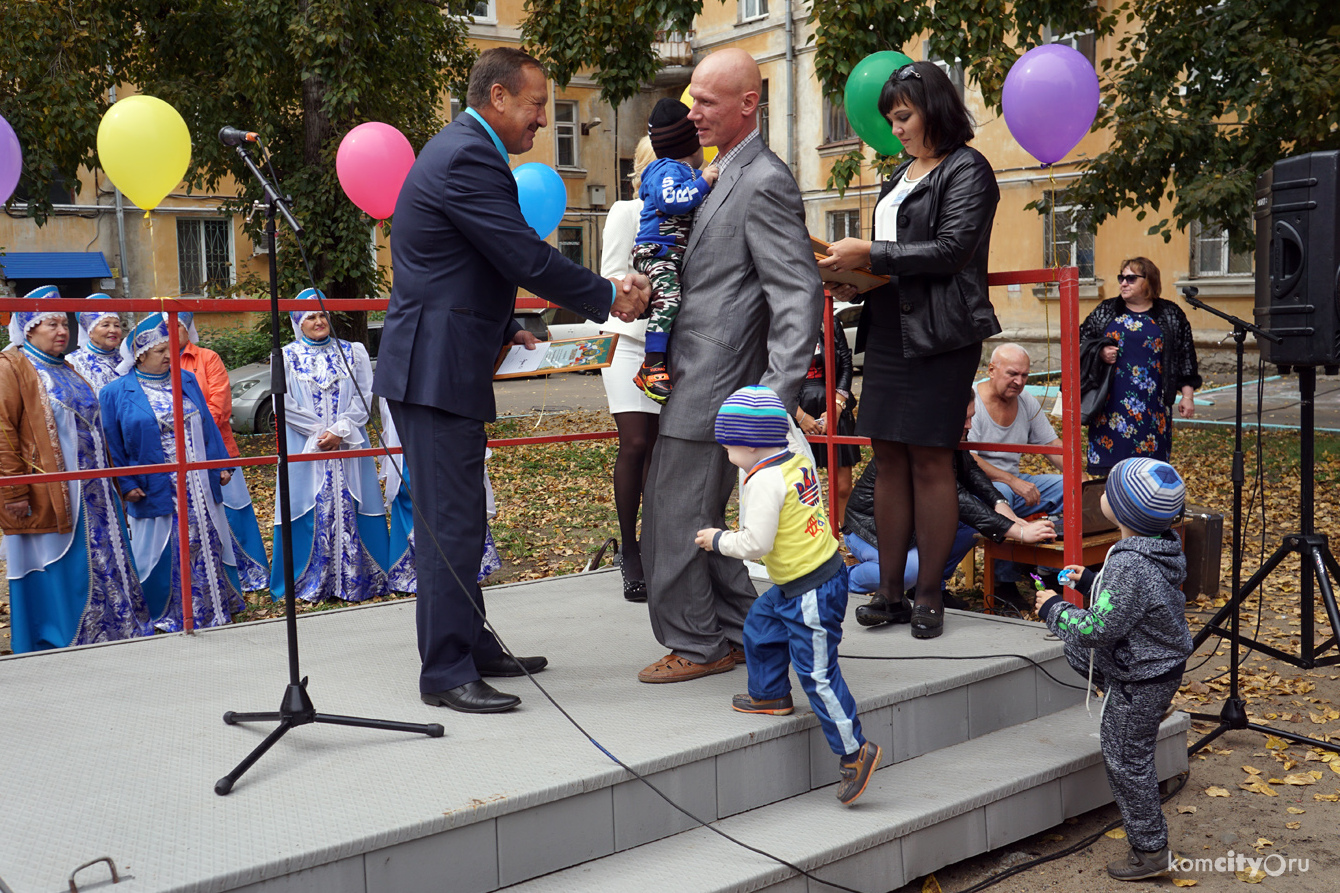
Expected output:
(660, 264)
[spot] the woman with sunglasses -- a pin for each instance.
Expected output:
(1156, 367)
(922, 333)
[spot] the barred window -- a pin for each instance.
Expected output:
(204, 255)
(837, 128)
(1068, 236)
(1212, 256)
(570, 244)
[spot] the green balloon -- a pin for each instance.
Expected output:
(861, 100)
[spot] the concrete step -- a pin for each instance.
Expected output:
(916, 816)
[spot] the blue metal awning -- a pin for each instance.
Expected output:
(54, 265)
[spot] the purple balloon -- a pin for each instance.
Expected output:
(11, 160)
(1050, 99)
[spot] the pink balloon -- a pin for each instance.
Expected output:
(372, 163)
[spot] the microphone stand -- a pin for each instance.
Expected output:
(1311, 546)
(296, 708)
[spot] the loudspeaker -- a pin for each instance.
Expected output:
(1297, 218)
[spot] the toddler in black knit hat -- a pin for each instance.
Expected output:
(672, 188)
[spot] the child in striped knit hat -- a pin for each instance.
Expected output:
(1132, 642)
(798, 622)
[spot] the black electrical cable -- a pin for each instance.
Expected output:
(432, 539)
(844, 656)
(1070, 850)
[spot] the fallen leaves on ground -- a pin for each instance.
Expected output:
(1215, 791)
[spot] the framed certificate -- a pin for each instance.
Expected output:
(548, 357)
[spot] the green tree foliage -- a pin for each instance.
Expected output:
(614, 39)
(1203, 98)
(300, 72)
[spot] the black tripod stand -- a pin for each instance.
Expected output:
(296, 708)
(1313, 548)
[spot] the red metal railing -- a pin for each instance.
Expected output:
(1072, 472)
(1068, 279)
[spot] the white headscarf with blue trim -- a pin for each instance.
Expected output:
(187, 319)
(151, 332)
(297, 316)
(21, 322)
(88, 321)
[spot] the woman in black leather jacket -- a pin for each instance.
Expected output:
(923, 332)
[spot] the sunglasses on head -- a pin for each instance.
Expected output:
(1129, 278)
(906, 72)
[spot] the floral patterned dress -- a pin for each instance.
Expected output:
(1135, 422)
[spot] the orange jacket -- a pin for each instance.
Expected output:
(208, 369)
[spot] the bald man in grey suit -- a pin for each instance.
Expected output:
(752, 302)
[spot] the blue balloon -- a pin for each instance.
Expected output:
(543, 197)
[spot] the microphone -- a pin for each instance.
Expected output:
(231, 136)
(1190, 291)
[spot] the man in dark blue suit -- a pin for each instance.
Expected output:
(460, 248)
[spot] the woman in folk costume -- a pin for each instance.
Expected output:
(71, 575)
(253, 568)
(340, 543)
(102, 346)
(139, 416)
(402, 576)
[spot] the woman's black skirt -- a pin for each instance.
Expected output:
(921, 401)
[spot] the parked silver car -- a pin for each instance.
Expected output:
(253, 410)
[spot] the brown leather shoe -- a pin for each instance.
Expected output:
(737, 654)
(673, 668)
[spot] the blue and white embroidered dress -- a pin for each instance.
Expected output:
(340, 543)
(80, 587)
(216, 592)
(402, 575)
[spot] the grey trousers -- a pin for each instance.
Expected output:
(698, 599)
(1132, 713)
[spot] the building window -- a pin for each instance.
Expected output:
(753, 9)
(204, 255)
(565, 133)
(456, 108)
(952, 68)
(1212, 256)
(763, 113)
(627, 191)
(844, 224)
(837, 128)
(570, 244)
(1084, 41)
(1068, 236)
(484, 11)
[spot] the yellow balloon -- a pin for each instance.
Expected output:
(709, 152)
(144, 147)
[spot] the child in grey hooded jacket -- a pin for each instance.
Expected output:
(1133, 642)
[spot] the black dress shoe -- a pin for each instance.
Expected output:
(506, 665)
(879, 611)
(927, 623)
(472, 697)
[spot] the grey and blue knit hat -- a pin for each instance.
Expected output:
(753, 416)
(1146, 495)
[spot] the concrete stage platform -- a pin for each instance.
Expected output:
(114, 750)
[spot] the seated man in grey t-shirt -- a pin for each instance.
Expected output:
(1006, 413)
